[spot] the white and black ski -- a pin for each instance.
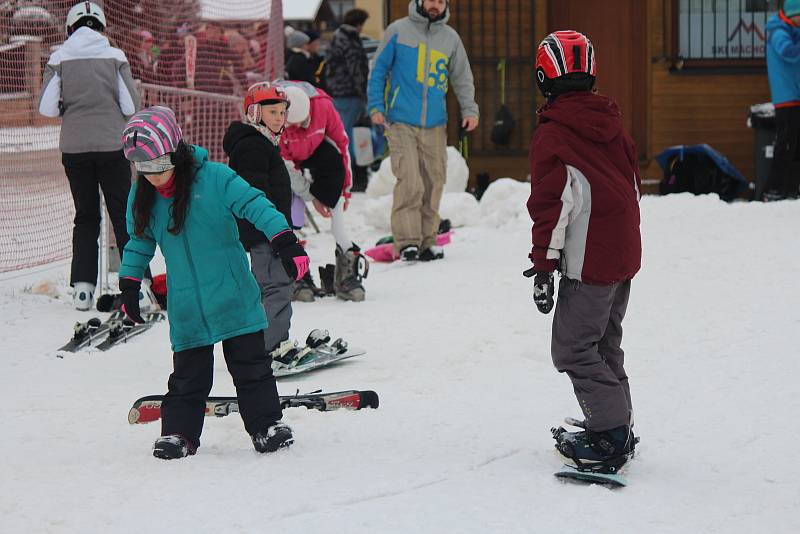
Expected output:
(122, 330)
(90, 333)
(148, 409)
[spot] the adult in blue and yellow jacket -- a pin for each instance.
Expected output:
(783, 67)
(186, 205)
(419, 59)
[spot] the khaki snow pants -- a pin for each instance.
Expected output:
(419, 161)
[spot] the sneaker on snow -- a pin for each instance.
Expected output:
(409, 253)
(172, 447)
(276, 436)
(432, 253)
(83, 296)
(603, 452)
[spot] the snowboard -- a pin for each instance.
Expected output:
(148, 409)
(572, 473)
(318, 352)
(385, 253)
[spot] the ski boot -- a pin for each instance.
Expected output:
(83, 296)
(276, 436)
(305, 290)
(351, 268)
(172, 447)
(327, 275)
(596, 452)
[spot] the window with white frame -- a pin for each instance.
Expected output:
(723, 29)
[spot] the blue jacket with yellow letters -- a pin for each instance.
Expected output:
(416, 63)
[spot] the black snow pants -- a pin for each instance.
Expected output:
(327, 170)
(587, 334)
(85, 171)
(183, 408)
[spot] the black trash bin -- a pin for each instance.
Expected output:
(762, 121)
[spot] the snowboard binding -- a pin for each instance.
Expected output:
(568, 443)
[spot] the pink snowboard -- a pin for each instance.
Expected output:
(385, 253)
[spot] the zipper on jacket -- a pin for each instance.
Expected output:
(196, 281)
(425, 74)
(394, 96)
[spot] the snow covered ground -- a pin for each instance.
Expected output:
(460, 357)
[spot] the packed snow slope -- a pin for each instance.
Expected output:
(460, 357)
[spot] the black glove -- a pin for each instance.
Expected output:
(293, 256)
(542, 289)
(129, 299)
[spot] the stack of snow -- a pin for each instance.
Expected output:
(457, 205)
(505, 201)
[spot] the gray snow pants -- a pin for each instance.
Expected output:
(276, 293)
(587, 333)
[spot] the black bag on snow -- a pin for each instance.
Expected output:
(698, 174)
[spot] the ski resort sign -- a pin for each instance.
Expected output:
(726, 35)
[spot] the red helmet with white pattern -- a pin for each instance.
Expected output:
(262, 93)
(565, 61)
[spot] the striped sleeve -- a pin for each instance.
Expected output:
(549, 206)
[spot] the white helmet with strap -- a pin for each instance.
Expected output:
(299, 104)
(85, 9)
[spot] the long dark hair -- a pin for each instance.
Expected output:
(146, 193)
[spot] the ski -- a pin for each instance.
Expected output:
(318, 352)
(148, 409)
(90, 332)
(120, 331)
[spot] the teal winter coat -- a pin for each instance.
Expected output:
(211, 293)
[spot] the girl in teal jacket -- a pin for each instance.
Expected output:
(186, 205)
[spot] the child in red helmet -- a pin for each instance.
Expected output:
(584, 204)
(252, 147)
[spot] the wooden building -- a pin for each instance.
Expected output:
(683, 71)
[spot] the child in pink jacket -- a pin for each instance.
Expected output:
(315, 148)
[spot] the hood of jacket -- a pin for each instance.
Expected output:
(85, 43)
(590, 115)
(415, 17)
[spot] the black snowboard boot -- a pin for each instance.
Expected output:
(172, 447)
(276, 436)
(600, 452)
(351, 268)
(431, 253)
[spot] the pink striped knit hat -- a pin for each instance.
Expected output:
(150, 133)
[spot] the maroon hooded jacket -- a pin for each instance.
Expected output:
(585, 185)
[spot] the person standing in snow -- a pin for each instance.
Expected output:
(187, 206)
(783, 68)
(252, 147)
(88, 83)
(584, 204)
(418, 60)
(315, 141)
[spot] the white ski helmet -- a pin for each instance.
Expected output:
(85, 9)
(299, 105)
